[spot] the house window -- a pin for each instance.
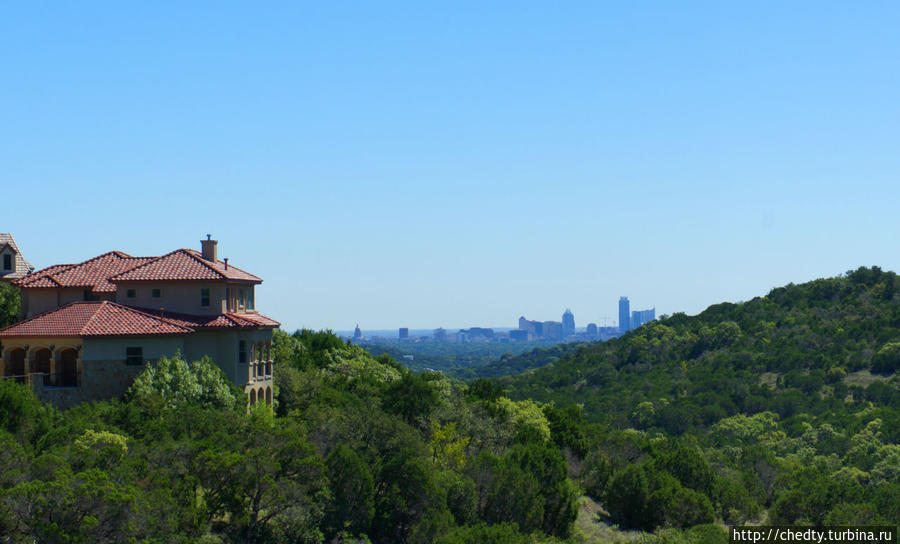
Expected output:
(156, 293)
(134, 356)
(241, 299)
(204, 297)
(131, 293)
(228, 298)
(7, 262)
(89, 295)
(251, 304)
(242, 351)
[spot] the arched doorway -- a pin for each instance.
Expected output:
(68, 368)
(15, 365)
(252, 397)
(269, 396)
(41, 364)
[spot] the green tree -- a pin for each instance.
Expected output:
(266, 478)
(171, 382)
(10, 304)
(352, 505)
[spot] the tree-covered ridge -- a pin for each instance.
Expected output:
(516, 364)
(790, 402)
(467, 360)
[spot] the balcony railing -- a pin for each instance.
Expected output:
(57, 379)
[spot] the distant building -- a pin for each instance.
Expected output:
(568, 323)
(403, 332)
(592, 329)
(477, 334)
(357, 334)
(440, 334)
(519, 335)
(13, 265)
(534, 328)
(639, 317)
(553, 330)
(624, 315)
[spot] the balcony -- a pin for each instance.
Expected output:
(256, 372)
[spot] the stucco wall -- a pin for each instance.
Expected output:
(182, 297)
(42, 300)
(99, 349)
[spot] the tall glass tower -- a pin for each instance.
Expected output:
(624, 315)
(568, 323)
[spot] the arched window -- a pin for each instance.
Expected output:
(15, 365)
(41, 364)
(269, 396)
(252, 397)
(67, 373)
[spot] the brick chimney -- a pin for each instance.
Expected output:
(208, 246)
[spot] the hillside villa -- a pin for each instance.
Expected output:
(90, 328)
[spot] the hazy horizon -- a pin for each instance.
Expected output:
(464, 164)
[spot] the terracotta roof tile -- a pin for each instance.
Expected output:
(184, 264)
(94, 319)
(226, 320)
(92, 274)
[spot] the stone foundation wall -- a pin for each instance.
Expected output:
(100, 380)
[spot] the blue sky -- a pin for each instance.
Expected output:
(422, 164)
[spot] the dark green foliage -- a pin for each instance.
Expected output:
(485, 389)
(352, 503)
(10, 304)
(501, 533)
(21, 413)
(628, 497)
(887, 360)
(411, 398)
(567, 428)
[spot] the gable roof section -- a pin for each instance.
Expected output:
(229, 320)
(23, 267)
(85, 319)
(91, 274)
(184, 264)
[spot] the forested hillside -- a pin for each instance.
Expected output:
(785, 408)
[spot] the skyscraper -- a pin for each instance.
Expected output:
(357, 334)
(568, 323)
(636, 319)
(639, 317)
(624, 315)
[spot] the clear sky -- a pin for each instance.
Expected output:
(456, 164)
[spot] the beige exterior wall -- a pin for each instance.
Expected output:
(180, 297)
(154, 347)
(42, 300)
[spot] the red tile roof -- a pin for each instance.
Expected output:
(184, 264)
(92, 274)
(103, 318)
(227, 320)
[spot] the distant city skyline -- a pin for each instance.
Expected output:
(452, 165)
(531, 330)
